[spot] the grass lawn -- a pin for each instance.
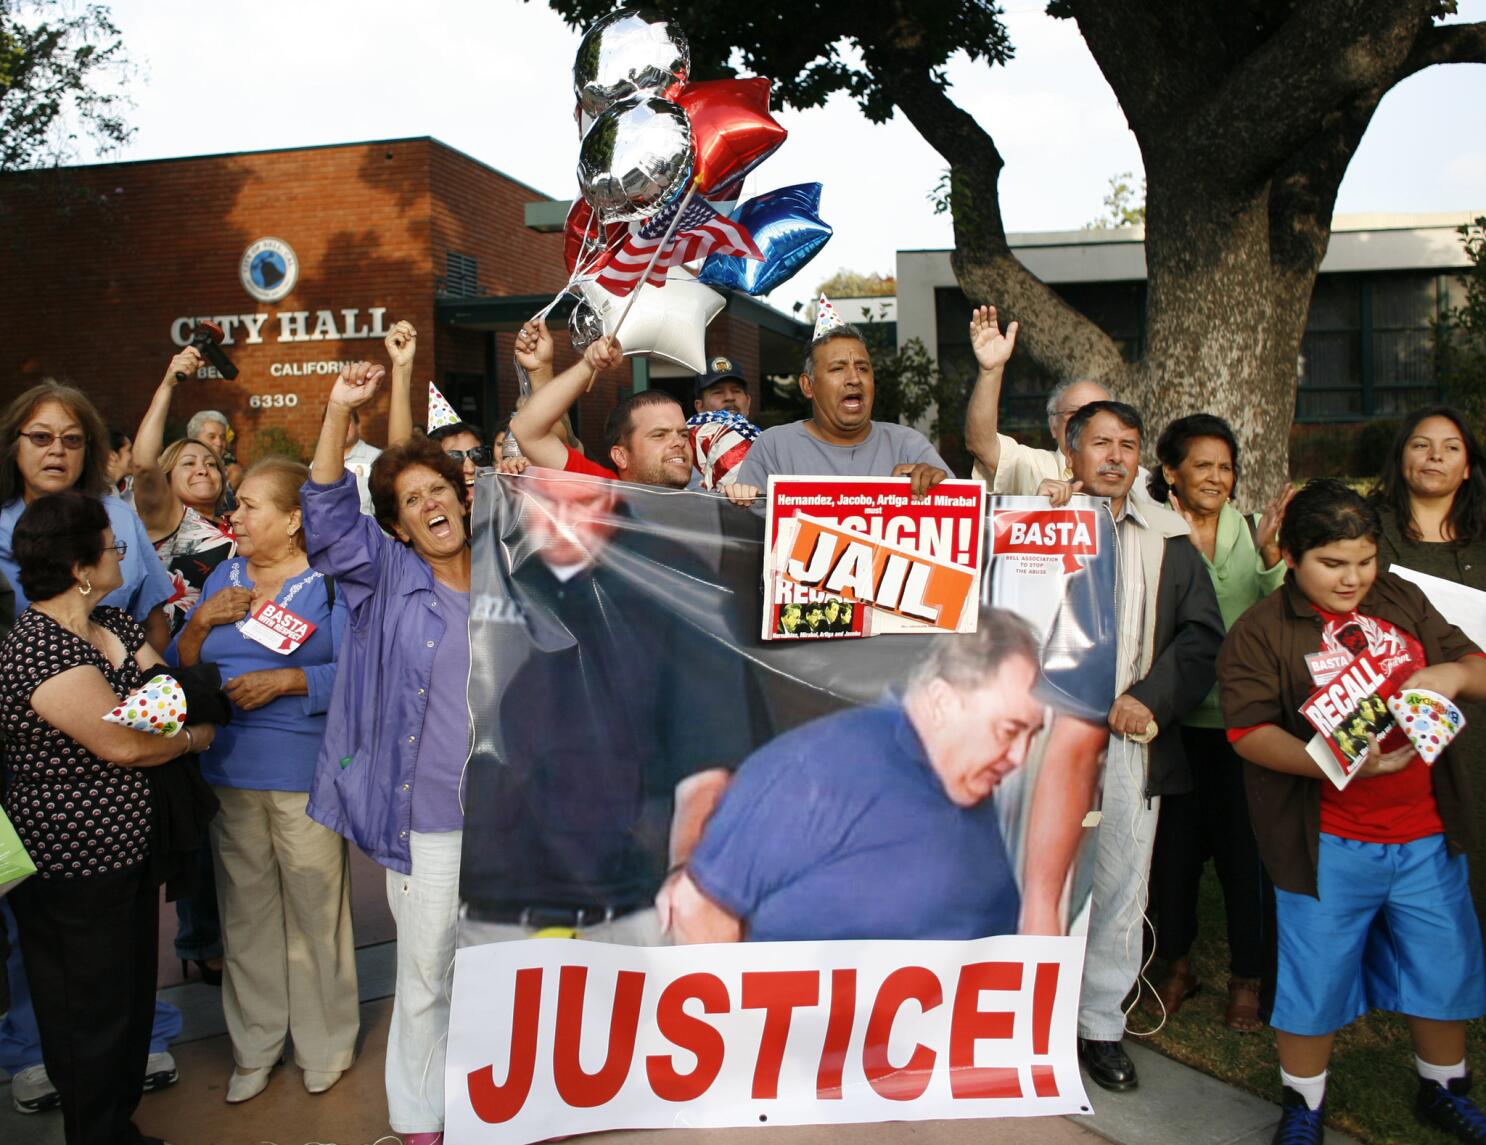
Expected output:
(1370, 1091)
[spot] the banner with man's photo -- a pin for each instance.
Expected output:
(652, 770)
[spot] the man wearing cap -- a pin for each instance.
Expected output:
(722, 388)
(840, 439)
(721, 434)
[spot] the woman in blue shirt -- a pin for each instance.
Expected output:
(272, 626)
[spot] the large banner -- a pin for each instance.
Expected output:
(649, 770)
(558, 1037)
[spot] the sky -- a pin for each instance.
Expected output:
(493, 78)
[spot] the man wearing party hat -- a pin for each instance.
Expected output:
(839, 438)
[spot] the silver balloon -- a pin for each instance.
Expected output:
(635, 159)
(585, 326)
(634, 51)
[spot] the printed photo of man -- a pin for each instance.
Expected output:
(876, 822)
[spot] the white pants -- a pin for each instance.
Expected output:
(425, 906)
(1122, 865)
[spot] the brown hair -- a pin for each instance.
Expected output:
(172, 454)
(621, 421)
(285, 477)
(94, 477)
(386, 469)
(54, 533)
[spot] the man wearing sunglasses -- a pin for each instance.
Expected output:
(465, 443)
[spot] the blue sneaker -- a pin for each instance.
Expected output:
(1299, 1123)
(1450, 1109)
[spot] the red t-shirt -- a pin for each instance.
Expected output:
(1396, 808)
(577, 463)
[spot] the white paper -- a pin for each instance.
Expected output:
(1463, 607)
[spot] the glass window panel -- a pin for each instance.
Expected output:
(1335, 303)
(1403, 301)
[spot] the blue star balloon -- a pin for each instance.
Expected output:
(788, 231)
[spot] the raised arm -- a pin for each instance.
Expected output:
(535, 422)
(402, 345)
(535, 352)
(992, 352)
(356, 386)
(153, 501)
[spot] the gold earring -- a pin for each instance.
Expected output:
(86, 587)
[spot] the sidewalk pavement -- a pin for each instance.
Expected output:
(1174, 1105)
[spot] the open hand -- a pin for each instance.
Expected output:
(992, 348)
(1384, 763)
(1269, 526)
(254, 689)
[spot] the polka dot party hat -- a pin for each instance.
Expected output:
(159, 708)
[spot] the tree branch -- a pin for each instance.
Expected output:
(1447, 44)
(1326, 53)
(1054, 333)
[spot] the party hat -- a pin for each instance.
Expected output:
(826, 318)
(159, 707)
(440, 412)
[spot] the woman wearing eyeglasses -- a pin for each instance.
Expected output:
(51, 438)
(80, 800)
(176, 493)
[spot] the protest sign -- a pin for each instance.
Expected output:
(553, 1037)
(862, 557)
(628, 715)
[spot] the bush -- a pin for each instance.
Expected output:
(276, 442)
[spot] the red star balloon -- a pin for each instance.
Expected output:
(731, 128)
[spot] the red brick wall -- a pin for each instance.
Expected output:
(96, 263)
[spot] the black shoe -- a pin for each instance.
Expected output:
(211, 975)
(1450, 1109)
(1299, 1123)
(1108, 1064)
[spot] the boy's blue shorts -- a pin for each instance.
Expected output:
(1393, 929)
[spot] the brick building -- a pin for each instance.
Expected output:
(306, 257)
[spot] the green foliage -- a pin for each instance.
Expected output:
(1121, 208)
(939, 196)
(53, 58)
(850, 284)
(274, 441)
(812, 49)
(1460, 332)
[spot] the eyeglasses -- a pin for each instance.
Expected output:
(120, 547)
(480, 455)
(43, 439)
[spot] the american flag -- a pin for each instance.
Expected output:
(701, 232)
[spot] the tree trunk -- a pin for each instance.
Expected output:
(1223, 326)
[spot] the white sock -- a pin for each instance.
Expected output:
(1444, 1074)
(1313, 1089)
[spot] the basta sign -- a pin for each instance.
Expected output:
(550, 1036)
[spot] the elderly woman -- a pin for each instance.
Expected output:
(1198, 476)
(176, 494)
(398, 736)
(80, 801)
(51, 438)
(1372, 894)
(268, 621)
(1431, 499)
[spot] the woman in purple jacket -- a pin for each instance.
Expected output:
(398, 728)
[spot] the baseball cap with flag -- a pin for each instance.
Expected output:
(440, 412)
(826, 318)
(719, 369)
